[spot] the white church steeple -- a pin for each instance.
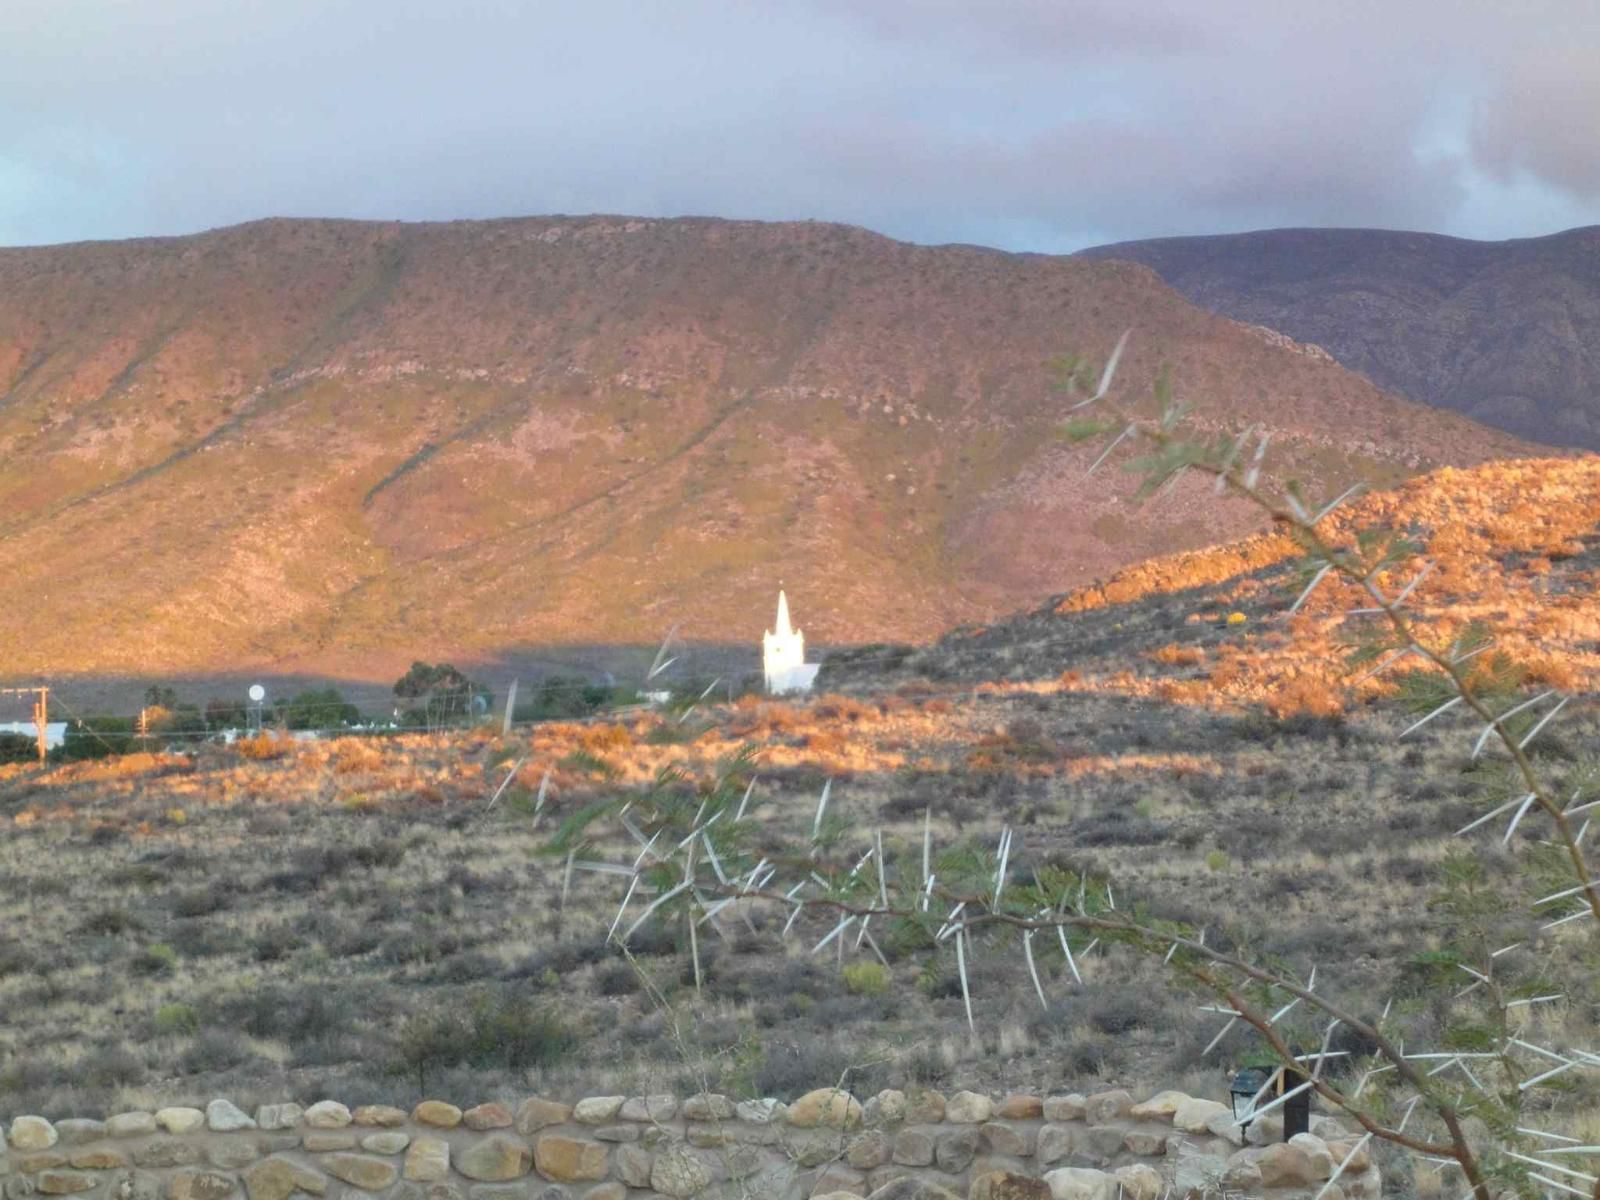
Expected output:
(782, 629)
(783, 655)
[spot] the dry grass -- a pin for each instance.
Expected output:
(187, 926)
(182, 926)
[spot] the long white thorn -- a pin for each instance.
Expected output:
(627, 896)
(1488, 729)
(1221, 1033)
(1110, 373)
(1310, 587)
(1033, 971)
(1490, 815)
(961, 965)
(1406, 591)
(1543, 721)
(1337, 500)
(822, 807)
(655, 904)
(1066, 949)
(1527, 803)
(927, 846)
(844, 924)
(1106, 453)
(749, 787)
(1443, 708)
(1345, 1162)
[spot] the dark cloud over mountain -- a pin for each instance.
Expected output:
(1033, 124)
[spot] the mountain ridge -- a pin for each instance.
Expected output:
(344, 444)
(1507, 332)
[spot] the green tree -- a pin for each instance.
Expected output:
(323, 708)
(159, 696)
(17, 747)
(440, 694)
(565, 698)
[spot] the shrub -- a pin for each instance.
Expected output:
(111, 922)
(496, 1029)
(275, 942)
(1174, 655)
(176, 1018)
(157, 959)
(264, 746)
(200, 902)
(213, 1050)
(866, 978)
(616, 979)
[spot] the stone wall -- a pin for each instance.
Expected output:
(920, 1145)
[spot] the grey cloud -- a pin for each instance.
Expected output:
(1542, 120)
(1037, 124)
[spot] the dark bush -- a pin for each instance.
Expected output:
(275, 942)
(111, 922)
(200, 902)
(1117, 828)
(494, 1029)
(288, 1014)
(213, 1050)
(616, 979)
(420, 945)
(563, 958)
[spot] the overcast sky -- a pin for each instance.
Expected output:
(1030, 124)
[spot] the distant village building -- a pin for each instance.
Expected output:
(55, 732)
(783, 655)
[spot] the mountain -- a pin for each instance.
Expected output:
(1506, 332)
(337, 446)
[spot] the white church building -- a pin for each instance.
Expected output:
(783, 655)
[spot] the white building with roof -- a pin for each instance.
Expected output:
(783, 655)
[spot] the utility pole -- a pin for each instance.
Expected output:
(41, 722)
(41, 714)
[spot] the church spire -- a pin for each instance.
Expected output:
(782, 629)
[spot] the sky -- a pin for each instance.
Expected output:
(1042, 125)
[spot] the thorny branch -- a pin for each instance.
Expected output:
(703, 886)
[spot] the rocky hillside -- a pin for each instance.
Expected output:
(1513, 545)
(1506, 332)
(336, 446)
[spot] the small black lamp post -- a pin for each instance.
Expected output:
(1247, 1085)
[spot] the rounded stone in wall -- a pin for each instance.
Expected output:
(911, 1188)
(33, 1133)
(487, 1116)
(327, 1114)
(437, 1113)
(442, 1189)
(633, 1165)
(200, 1185)
(134, 1185)
(557, 1156)
(1008, 1185)
(678, 1173)
(157, 1155)
(955, 1149)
